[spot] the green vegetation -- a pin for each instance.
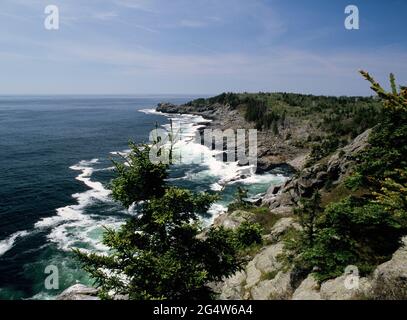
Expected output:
(138, 179)
(362, 230)
(163, 252)
(337, 116)
(269, 275)
(324, 147)
(260, 217)
(240, 202)
(248, 233)
(229, 98)
(308, 212)
(331, 122)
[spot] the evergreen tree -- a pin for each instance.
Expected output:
(137, 178)
(275, 128)
(162, 253)
(308, 213)
(241, 195)
(361, 230)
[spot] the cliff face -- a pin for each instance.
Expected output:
(324, 176)
(278, 150)
(264, 277)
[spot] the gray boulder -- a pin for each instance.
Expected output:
(336, 289)
(390, 278)
(280, 228)
(262, 279)
(232, 220)
(278, 288)
(79, 292)
(308, 290)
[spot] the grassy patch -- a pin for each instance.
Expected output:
(266, 219)
(269, 275)
(250, 251)
(260, 215)
(339, 193)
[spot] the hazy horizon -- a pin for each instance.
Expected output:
(138, 95)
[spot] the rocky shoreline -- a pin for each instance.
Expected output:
(273, 151)
(264, 277)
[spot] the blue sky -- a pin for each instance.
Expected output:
(199, 46)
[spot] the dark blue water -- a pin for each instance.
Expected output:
(55, 168)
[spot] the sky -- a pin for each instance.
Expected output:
(199, 46)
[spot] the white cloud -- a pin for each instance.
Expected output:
(193, 23)
(110, 15)
(221, 60)
(143, 5)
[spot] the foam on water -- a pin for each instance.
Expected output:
(194, 152)
(71, 225)
(84, 234)
(7, 244)
(82, 223)
(75, 212)
(191, 151)
(215, 210)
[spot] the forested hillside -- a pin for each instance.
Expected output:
(333, 121)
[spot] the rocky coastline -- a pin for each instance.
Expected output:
(273, 151)
(264, 277)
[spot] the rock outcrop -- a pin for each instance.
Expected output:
(82, 292)
(390, 278)
(232, 220)
(388, 282)
(79, 292)
(273, 150)
(264, 277)
(308, 290)
(336, 289)
(280, 228)
(332, 171)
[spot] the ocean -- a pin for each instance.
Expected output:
(56, 167)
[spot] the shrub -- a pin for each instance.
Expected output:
(362, 231)
(249, 233)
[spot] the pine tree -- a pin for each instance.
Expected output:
(308, 212)
(363, 229)
(162, 253)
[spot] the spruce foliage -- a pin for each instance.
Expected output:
(163, 252)
(361, 230)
